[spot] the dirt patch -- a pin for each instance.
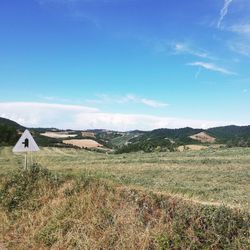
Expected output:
(88, 134)
(191, 147)
(83, 143)
(203, 137)
(58, 135)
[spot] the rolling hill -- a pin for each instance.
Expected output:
(9, 131)
(232, 135)
(131, 141)
(10, 123)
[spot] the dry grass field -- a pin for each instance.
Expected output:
(83, 143)
(58, 135)
(203, 137)
(209, 176)
(89, 200)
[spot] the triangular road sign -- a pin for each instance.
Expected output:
(26, 143)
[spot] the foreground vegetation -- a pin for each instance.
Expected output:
(40, 209)
(217, 176)
(160, 200)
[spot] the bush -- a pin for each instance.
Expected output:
(22, 185)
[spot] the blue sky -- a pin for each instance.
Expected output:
(125, 64)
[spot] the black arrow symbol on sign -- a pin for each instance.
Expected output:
(26, 143)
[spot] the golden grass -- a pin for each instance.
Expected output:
(83, 143)
(58, 135)
(209, 176)
(86, 213)
(203, 137)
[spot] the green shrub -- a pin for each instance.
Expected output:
(22, 185)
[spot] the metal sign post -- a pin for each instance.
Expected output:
(26, 144)
(26, 161)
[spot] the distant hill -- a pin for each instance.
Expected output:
(232, 135)
(176, 135)
(171, 139)
(160, 139)
(9, 132)
(229, 131)
(10, 123)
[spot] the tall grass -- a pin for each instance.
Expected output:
(41, 210)
(214, 175)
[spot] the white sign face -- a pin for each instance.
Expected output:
(26, 143)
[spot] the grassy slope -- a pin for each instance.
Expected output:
(217, 176)
(124, 139)
(10, 123)
(229, 132)
(8, 131)
(39, 210)
(160, 139)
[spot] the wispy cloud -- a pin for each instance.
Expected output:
(243, 29)
(239, 39)
(240, 42)
(80, 117)
(77, 1)
(178, 48)
(212, 67)
(152, 103)
(240, 46)
(42, 114)
(185, 48)
(198, 73)
(224, 12)
(75, 10)
(129, 98)
(57, 99)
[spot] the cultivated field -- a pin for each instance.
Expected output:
(213, 176)
(83, 143)
(203, 137)
(58, 135)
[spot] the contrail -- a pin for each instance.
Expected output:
(198, 73)
(224, 11)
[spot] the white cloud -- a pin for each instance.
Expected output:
(148, 102)
(47, 106)
(179, 48)
(212, 67)
(152, 103)
(78, 117)
(198, 73)
(243, 29)
(224, 12)
(73, 11)
(240, 46)
(185, 48)
(126, 122)
(129, 98)
(42, 114)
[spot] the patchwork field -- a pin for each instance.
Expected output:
(58, 135)
(213, 176)
(203, 137)
(83, 143)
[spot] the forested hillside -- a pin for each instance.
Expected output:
(232, 135)
(9, 132)
(131, 141)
